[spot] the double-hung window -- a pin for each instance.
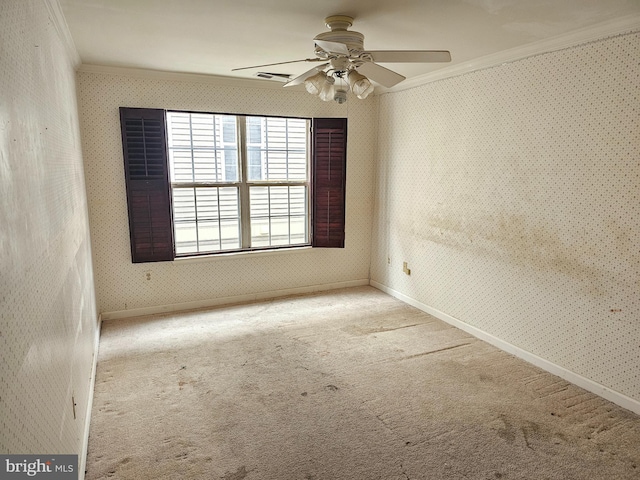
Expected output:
(204, 183)
(238, 182)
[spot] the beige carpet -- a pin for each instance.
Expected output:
(349, 384)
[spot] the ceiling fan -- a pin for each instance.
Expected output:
(349, 66)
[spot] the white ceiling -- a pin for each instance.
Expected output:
(215, 36)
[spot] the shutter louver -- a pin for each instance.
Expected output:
(329, 181)
(147, 181)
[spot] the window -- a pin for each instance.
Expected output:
(202, 183)
(216, 160)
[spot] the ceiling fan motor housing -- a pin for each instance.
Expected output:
(339, 34)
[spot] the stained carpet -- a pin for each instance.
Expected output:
(347, 384)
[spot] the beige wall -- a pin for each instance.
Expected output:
(48, 317)
(513, 194)
(122, 286)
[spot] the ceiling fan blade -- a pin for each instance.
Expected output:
(410, 56)
(301, 78)
(332, 47)
(279, 63)
(383, 76)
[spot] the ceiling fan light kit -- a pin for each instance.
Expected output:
(350, 65)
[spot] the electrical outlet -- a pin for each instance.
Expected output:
(406, 269)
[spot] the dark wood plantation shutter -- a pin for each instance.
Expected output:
(147, 178)
(329, 181)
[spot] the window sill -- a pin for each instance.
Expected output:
(240, 255)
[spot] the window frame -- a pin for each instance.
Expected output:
(244, 183)
(326, 172)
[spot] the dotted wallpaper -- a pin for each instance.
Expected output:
(48, 316)
(513, 193)
(121, 285)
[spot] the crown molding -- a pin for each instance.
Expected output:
(179, 76)
(62, 29)
(619, 26)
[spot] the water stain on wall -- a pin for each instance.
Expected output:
(523, 241)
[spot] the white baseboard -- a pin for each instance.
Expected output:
(583, 382)
(215, 302)
(82, 460)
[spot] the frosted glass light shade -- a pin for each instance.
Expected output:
(328, 91)
(360, 85)
(314, 83)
